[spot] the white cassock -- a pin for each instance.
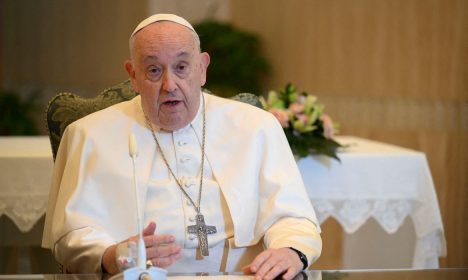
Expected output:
(253, 192)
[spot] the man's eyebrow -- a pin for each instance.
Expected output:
(154, 57)
(184, 54)
(150, 57)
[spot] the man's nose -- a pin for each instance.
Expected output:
(168, 82)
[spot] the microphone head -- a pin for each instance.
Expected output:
(132, 145)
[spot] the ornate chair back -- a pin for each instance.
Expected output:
(65, 108)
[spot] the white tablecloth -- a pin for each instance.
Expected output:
(26, 170)
(382, 181)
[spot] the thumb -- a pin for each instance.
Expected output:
(247, 270)
(149, 229)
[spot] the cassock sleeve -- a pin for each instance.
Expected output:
(284, 199)
(81, 250)
(298, 233)
(78, 248)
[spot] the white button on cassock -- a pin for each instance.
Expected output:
(182, 180)
(184, 160)
(188, 185)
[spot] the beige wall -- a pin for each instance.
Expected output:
(78, 46)
(193, 11)
(395, 71)
(66, 45)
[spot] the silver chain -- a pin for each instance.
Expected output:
(197, 208)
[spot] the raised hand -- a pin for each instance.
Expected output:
(161, 250)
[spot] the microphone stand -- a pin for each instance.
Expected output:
(140, 271)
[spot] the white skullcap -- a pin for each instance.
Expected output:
(162, 17)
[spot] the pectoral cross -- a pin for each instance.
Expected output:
(202, 230)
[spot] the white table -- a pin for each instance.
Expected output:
(385, 182)
(380, 181)
(26, 170)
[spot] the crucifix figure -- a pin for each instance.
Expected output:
(201, 230)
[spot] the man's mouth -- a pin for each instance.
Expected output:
(171, 103)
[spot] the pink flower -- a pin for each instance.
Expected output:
(296, 107)
(303, 118)
(281, 115)
(328, 130)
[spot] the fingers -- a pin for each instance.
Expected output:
(257, 262)
(151, 239)
(273, 262)
(267, 266)
(164, 253)
(149, 229)
(158, 239)
(290, 274)
(247, 270)
(161, 249)
(274, 271)
(164, 262)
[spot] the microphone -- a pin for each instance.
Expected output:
(133, 152)
(139, 272)
(132, 146)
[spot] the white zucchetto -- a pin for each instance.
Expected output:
(162, 17)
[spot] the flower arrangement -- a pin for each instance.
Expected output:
(307, 128)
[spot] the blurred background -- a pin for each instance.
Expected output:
(393, 71)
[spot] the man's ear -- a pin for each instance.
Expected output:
(204, 62)
(131, 74)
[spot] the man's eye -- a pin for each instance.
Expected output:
(154, 72)
(182, 68)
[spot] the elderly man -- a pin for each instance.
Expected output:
(207, 162)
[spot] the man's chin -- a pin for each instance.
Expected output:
(174, 124)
